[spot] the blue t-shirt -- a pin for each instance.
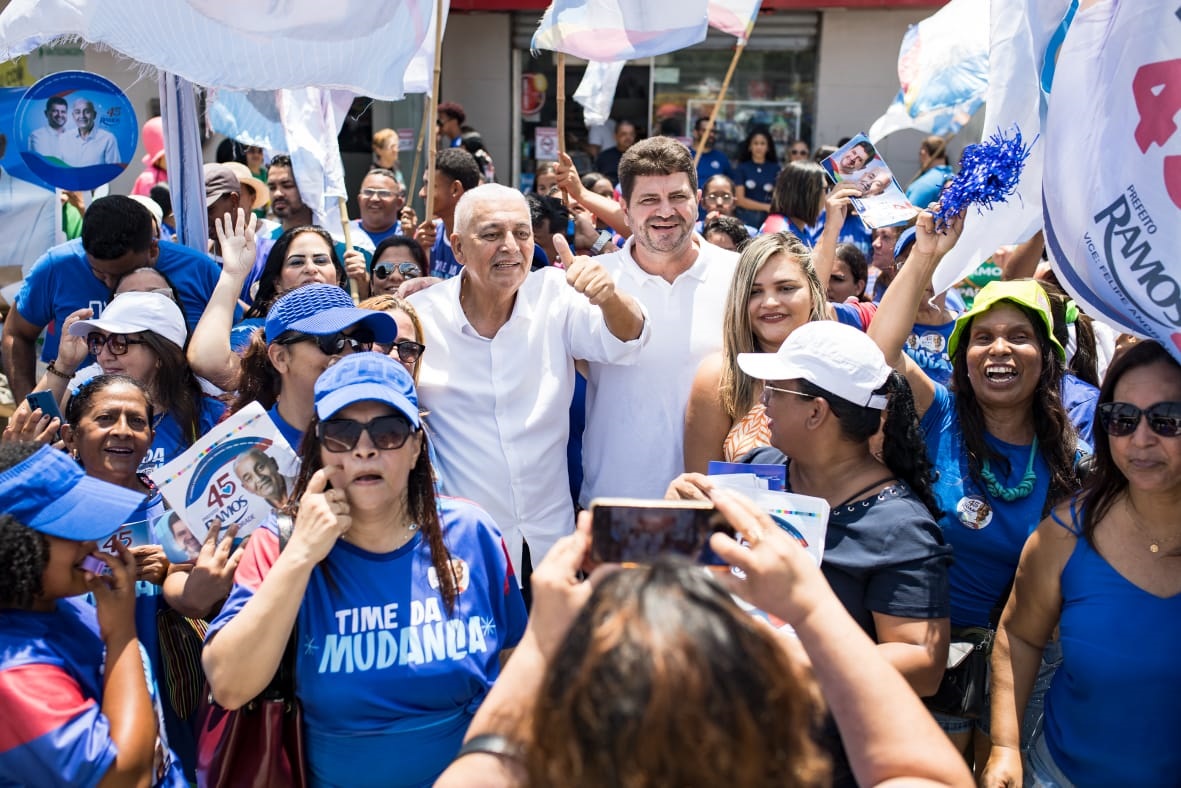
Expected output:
(61, 282)
(758, 182)
(53, 731)
(927, 347)
(712, 163)
(365, 241)
(1113, 712)
(443, 263)
(987, 534)
(385, 675)
(293, 435)
(926, 188)
(243, 332)
(170, 441)
(1080, 399)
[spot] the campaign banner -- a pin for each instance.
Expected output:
(606, 30)
(882, 203)
(1112, 179)
(75, 130)
(236, 474)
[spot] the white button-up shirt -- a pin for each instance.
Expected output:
(98, 147)
(499, 407)
(635, 415)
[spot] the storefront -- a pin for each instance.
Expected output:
(774, 86)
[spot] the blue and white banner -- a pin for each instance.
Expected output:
(1024, 37)
(942, 70)
(607, 30)
(361, 46)
(1112, 180)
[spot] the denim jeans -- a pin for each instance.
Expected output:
(1040, 769)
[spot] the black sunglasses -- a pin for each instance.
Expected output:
(408, 350)
(386, 432)
(116, 343)
(1122, 418)
(333, 344)
(407, 270)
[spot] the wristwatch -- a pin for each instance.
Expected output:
(605, 237)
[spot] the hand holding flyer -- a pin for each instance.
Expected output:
(235, 475)
(882, 202)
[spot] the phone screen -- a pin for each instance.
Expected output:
(638, 532)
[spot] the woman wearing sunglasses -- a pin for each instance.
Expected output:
(142, 336)
(395, 260)
(401, 603)
(1103, 569)
(998, 436)
(408, 347)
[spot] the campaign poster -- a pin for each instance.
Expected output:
(882, 203)
(75, 130)
(236, 474)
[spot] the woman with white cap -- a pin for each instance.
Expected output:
(143, 336)
(401, 602)
(825, 391)
(77, 707)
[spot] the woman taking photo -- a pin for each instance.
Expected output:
(401, 603)
(999, 437)
(755, 177)
(100, 728)
(142, 336)
(1103, 570)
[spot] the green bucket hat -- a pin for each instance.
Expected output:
(1023, 292)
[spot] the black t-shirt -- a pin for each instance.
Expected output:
(607, 162)
(883, 555)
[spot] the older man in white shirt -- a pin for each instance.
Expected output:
(498, 372)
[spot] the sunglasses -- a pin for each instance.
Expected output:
(799, 153)
(386, 432)
(380, 194)
(1122, 418)
(408, 350)
(333, 344)
(407, 270)
(116, 343)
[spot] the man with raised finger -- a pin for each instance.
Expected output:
(499, 376)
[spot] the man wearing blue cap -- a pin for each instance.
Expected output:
(499, 377)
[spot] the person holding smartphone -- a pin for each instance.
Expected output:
(401, 603)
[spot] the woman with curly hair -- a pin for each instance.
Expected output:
(75, 686)
(998, 434)
(401, 602)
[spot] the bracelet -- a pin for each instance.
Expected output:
(491, 744)
(52, 370)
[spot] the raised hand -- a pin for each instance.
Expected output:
(568, 180)
(236, 239)
(323, 518)
(354, 266)
(71, 350)
(114, 594)
(30, 425)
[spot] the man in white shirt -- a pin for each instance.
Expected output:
(47, 140)
(89, 146)
(498, 373)
(635, 418)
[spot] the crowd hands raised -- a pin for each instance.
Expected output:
(992, 467)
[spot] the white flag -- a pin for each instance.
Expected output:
(608, 30)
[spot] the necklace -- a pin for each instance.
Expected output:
(1153, 543)
(1010, 494)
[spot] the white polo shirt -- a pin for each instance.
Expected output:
(99, 147)
(635, 415)
(499, 407)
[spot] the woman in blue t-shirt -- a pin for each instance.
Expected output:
(143, 335)
(1103, 570)
(758, 166)
(77, 708)
(401, 603)
(999, 437)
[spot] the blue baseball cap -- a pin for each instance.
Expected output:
(321, 309)
(904, 240)
(50, 493)
(366, 377)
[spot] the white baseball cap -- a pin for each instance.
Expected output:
(130, 313)
(829, 355)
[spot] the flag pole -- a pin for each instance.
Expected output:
(426, 125)
(561, 102)
(713, 115)
(433, 139)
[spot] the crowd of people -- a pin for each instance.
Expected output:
(1001, 472)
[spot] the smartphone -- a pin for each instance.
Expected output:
(46, 402)
(631, 530)
(95, 566)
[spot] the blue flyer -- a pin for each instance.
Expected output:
(75, 130)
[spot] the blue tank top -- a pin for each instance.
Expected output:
(1113, 712)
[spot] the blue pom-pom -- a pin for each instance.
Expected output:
(989, 172)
